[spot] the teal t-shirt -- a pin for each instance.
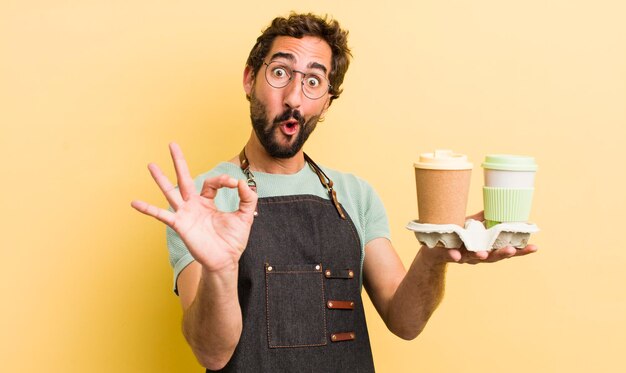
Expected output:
(356, 196)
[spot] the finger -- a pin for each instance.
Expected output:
(509, 252)
(463, 255)
(185, 182)
(247, 198)
(502, 253)
(162, 215)
(472, 257)
(481, 255)
(476, 255)
(529, 249)
(455, 255)
(212, 185)
(480, 216)
(169, 190)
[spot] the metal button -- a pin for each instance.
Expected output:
(317, 267)
(328, 273)
(333, 337)
(351, 304)
(330, 304)
(351, 274)
(269, 269)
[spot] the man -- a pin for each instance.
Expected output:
(269, 270)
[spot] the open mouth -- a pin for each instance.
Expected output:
(290, 127)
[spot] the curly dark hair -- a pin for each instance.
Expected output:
(298, 26)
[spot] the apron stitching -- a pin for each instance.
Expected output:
(267, 307)
(324, 202)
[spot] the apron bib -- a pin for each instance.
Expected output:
(299, 290)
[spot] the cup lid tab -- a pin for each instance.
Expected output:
(443, 159)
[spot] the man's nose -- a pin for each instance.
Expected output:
(293, 92)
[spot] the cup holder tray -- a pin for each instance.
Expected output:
(474, 236)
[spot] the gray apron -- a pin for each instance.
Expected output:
(299, 289)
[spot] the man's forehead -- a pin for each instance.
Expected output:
(305, 51)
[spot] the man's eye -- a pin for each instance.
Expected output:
(280, 72)
(313, 81)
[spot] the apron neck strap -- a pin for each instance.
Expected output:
(324, 179)
(327, 183)
(245, 168)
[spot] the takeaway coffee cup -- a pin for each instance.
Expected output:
(442, 180)
(508, 189)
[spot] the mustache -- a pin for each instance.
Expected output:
(289, 114)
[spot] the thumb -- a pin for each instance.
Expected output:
(247, 198)
(480, 216)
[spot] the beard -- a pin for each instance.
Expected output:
(267, 134)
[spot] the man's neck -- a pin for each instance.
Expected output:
(261, 161)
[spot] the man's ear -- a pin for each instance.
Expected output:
(248, 80)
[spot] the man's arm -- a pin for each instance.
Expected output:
(406, 300)
(216, 240)
(212, 320)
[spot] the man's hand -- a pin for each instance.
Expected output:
(214, 238)
(437, 256)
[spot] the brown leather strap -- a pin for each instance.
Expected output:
(245, 167)
(327, 184)
(340, 304)
(339, 337)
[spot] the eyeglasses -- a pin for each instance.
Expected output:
(279, 75)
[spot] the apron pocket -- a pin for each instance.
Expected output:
(295, 306)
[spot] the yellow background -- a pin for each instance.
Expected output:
(91, 91)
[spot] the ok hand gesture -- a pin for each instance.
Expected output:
(214, 238)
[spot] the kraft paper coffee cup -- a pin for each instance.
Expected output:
(442, 180)
(509, 188)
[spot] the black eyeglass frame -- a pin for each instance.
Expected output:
(291, 77)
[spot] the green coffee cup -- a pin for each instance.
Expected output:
(509, 187)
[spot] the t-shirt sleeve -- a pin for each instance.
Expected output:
(363, 205)
(179, 255)
(375, 221)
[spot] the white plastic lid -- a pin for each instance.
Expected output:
(443, 159)
(509, 162)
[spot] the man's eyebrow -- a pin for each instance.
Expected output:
(291, 58)
(284, 55)
(315, 65)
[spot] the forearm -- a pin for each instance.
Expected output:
(212, 324)
(417, 297)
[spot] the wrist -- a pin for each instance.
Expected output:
(433, 259)
(223, 277)
(219, 265)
